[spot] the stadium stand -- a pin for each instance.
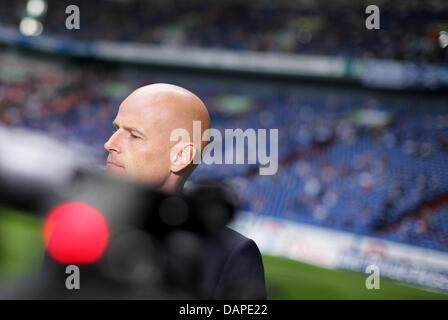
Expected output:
(338, 168)
(410, 29)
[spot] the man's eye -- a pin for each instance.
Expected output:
(133, 136)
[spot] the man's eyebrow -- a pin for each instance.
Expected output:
(129, 128)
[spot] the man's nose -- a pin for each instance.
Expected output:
(112, 144)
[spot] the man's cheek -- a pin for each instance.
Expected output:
(139, 165)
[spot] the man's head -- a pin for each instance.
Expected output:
(141, 149)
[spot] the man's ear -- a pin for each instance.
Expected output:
(182, 156)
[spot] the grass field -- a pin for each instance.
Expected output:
(288, 279)
(21, 247)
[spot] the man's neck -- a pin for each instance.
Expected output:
(173, 187)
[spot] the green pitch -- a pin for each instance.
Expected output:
(289, 279)
(21, 248)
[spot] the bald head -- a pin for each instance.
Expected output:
(141, 147)
(168, 106)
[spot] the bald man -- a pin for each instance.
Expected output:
(141, 149)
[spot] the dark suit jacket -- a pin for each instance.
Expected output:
(234, 268)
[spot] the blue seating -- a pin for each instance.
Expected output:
(333, 171)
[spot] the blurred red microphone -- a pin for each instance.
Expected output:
(76, 233)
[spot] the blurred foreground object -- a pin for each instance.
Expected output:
(128, 240)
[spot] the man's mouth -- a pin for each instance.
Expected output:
(113, 166)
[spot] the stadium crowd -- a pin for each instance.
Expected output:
(409, 29)
(335, 170)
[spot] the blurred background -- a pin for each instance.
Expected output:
(362, 118)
